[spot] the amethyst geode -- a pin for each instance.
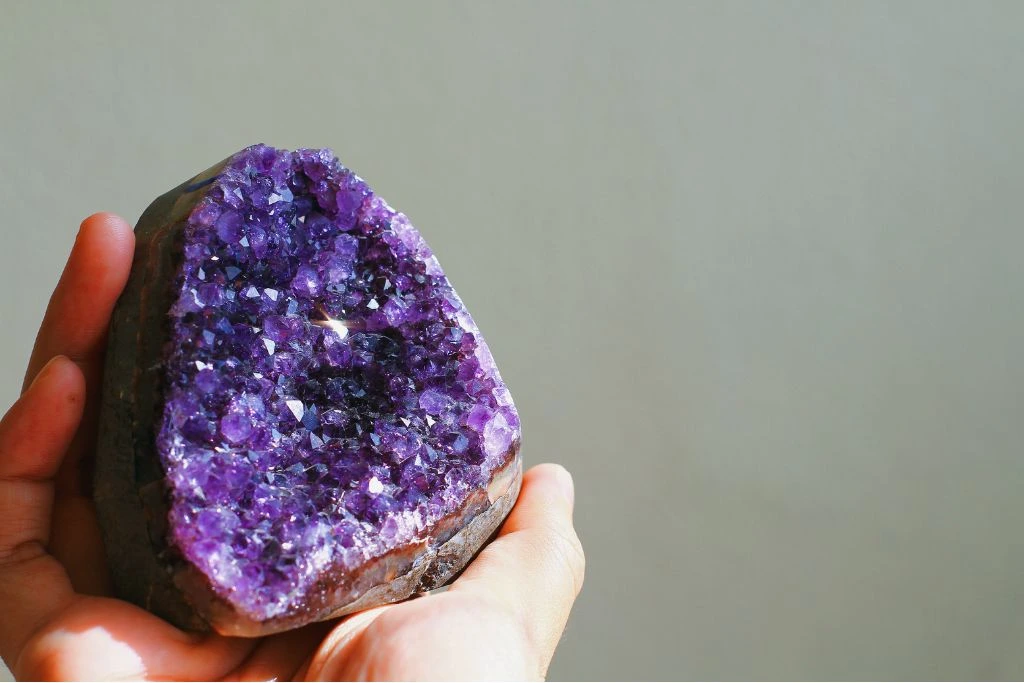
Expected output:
(300, 417)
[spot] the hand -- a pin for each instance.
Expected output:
(501, 619)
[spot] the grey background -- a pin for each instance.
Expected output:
(752, 271)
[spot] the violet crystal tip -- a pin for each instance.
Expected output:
(301, 418)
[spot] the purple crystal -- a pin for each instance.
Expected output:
(327, 397)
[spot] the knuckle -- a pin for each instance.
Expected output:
(20, 554)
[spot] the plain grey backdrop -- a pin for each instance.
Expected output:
(751, 270)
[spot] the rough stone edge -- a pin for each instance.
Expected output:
(128, 487)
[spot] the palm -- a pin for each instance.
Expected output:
(501, 619)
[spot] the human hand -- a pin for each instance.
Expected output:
(501, 619)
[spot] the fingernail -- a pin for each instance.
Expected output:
(46, 368)
(566, 485)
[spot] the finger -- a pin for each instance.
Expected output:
(75, 325)
(33, 438)
(536, 565)
(76, 318)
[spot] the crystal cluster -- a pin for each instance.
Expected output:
(327, 397)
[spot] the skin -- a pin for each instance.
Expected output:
(500, 620)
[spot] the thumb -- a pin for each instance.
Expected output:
(536, 565)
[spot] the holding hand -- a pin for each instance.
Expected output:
(501, 619)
